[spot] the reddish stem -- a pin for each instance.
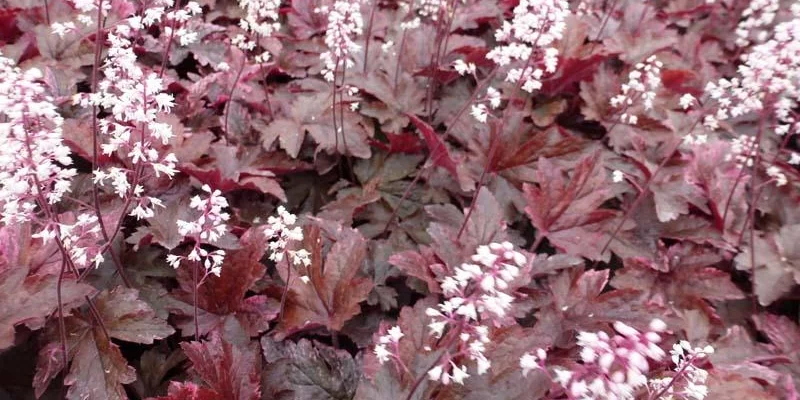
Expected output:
(671, 383)
(645, 188)
(169, 41)
(422, 376)
(230, 97)
(369, 33)
(62, 329)
(195, 266)
(399, 57)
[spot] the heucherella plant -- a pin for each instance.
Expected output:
(282, 230)
(478, 296)
(619, 367)
(35, 162)
(528, 42)
(400, 199)
(134, 97)
(35, 174)
(206, 229)
(643, 82)
(344, 25)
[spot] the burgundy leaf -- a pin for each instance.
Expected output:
(439, 154)
(229, 372)
(223, 300)
(29, 299)
(567, 213)
(335, 287)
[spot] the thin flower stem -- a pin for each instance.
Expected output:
(492, 149)
(406, 193)
(438, 360)
(752, 150)
(195, 266)
(341, 126)
(428, 167)
(286, 287)
(671, 383)
(47, 12)
(62, 328)
(53, 217)
(230, 98)
(264, 81)
(480, 88)
(98, 48)
(493, 140)
(443, 37)
(644, 190)
(165, 57)
(333, 109)
(369, 33)
(400, 52)
(605, 21)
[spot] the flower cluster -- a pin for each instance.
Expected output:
(281, 229)
(33, 156)
(261, 16)
(344, 23)
(477, 296)
(612, 367)
(743, 149)
(769, 80)
(480, 111)
(536, 25)
(85, 17)
(388, 345)
(180, 19)
(431, 8)
(688, 380)
(261, 19)
(642, 84)
(134, 98)
(80, 239)
(207, 228)
(757, 15)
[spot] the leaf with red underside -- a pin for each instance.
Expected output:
(404, 142)
(335, 289)
(439, 154)
(570, 72)
(567, 212)
(679, 81)
(228, 372)
(98, 369)
(223, 300)
(681, 275)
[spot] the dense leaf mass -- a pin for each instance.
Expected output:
(400, 199)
